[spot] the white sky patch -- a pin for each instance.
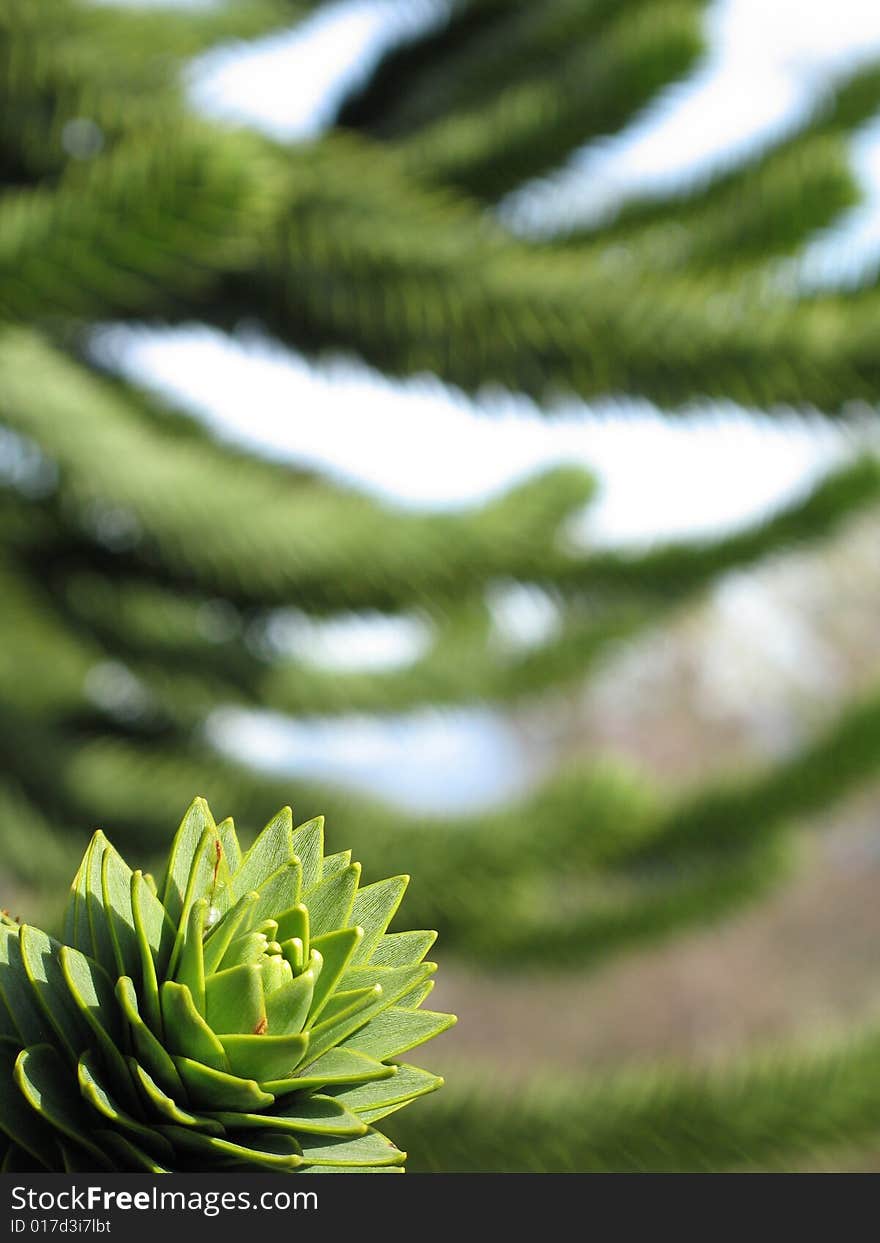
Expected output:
(290, 84)
(427, 761)
(24, 466)
(523, 615)
(361, 642)
(424, 445)
(768, 64)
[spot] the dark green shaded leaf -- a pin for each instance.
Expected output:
(150, 1051)
(46, 1083)
(273, 1151)
(40, 962)
(129, 1155)
(18, 1120)
(32, 1024)
(169, 1109)
(96, 1093)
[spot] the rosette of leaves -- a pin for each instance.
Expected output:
(248, 1013)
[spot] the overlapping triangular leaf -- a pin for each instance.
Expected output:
(199, 1030)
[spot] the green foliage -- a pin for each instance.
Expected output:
(246, 1017)
(746, 216)
(600, 72)
(142, 564)
(592, 862)
(778, 1112)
